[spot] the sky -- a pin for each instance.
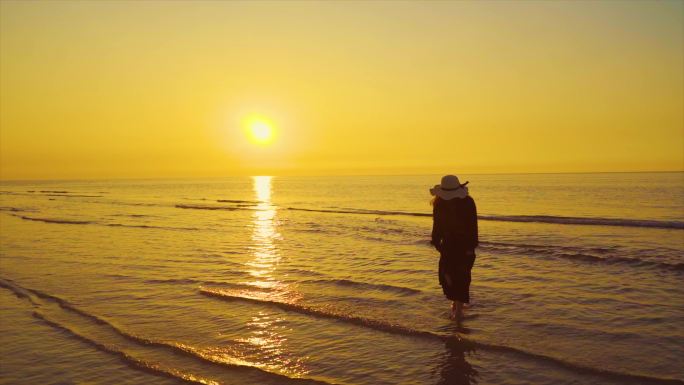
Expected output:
(168, 89)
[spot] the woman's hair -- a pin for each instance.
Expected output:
(434, 201)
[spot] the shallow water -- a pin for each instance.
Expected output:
(331, 280)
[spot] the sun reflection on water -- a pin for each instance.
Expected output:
(265, 327)
(266, 256)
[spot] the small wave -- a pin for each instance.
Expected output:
(196, 207)
(206, 360)
(135, 215)
(52, 191)
(460, 342)
(586, 221)
(578, 254)
(594, 221)
(177, 348)
(17, 291)
(192, 281)
(29, 294)
(16, 209)
(599, 250)
(622, 260)
(310, 273)
(143, 204)
(80, 222)
(52, 220)
(366, 286)
(360, 211)
(263, 298)
(180, 281)
(59, 193)
(150, 226)
(127, 358)
(237, 201)
(120, 276)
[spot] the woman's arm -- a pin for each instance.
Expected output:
(436, 229)
(473, 236)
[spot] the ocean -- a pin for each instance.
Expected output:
(331, 280)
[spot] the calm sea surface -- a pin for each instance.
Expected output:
(315, 280)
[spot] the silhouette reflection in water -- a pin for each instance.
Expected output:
(455, 369)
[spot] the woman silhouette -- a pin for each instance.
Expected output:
(454, 235)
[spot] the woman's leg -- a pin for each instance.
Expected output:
(456, 309)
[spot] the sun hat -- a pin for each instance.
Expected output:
(450, 188)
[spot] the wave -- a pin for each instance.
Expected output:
(192, 281)
(16, 209)
(393, 328)
(143, 204)
(657, 259)
(195, 353)
(81, 222)
(197, 207)
(586, 221)
(149, 226)
(593, 221)
(360, 211)
(599, 250)
(63, 193)
(679, 267)
(364, 285)
(17, 291)
(578, 254)
(51, 191)
(310, 273)
(563, 220)
(177, 348)
(262, 298)
(205, 360)
(127, 358)
(51, 220)
(135, 215)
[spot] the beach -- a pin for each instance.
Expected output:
(332, 280)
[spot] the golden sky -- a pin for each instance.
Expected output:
(164, 89)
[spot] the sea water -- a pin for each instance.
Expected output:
(315, 280)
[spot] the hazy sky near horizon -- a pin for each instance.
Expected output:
(156, 89)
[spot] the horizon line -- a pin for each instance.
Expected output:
(329, 175)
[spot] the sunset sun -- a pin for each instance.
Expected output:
(260, 131)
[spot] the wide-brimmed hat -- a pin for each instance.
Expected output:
(450, 188)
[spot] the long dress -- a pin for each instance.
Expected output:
(455, 235)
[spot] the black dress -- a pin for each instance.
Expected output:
(454, 234)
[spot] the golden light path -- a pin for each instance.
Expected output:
(266, 255)
(265, 326)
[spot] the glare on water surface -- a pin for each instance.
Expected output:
(264, 233)
(264, 326)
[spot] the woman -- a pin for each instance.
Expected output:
(454, 235)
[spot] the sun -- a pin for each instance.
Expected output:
(260, 130)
